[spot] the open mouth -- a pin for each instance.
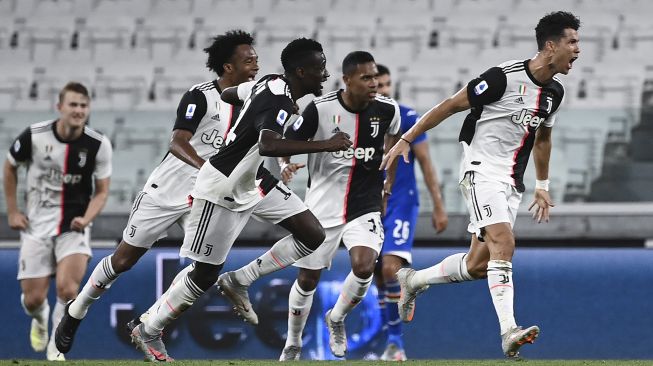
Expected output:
(569, 65)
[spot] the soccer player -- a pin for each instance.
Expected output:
(399, 223)
(232, 186)
(199, 130)
(513, 109)
(345, 193)
(68, 173)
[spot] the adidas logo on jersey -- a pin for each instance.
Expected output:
(527, 118)
(216, 117)
(360, 153)
(519, 100)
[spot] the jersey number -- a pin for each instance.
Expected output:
(401, 230)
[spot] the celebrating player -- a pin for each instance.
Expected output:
(345, 193)
(200, 128)
(232, 186)
(513, 109)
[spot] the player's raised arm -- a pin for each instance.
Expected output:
(454, 104)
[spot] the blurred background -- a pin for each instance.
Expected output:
(139, 56)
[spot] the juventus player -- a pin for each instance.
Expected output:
(344, 191)
(65, 160)
(199, 130)
(513, 109)
(232, 186)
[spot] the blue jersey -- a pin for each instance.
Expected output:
(404, 190)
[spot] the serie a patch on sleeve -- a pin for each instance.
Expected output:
(480, 87)
(190, 111)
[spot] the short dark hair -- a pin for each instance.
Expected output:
(552, 27)
(353, 59)
(223, 48)
(383, 70)
(73, 86)
(296, 53)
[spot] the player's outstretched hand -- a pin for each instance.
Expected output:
(339, 142)
(402, 147)
(288, 170)
(78, 224)
(18, 221)
(541, 203)
(440, 220)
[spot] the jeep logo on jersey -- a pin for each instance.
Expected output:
(359, 153)
(56, 177)
(212, 138)
(527, 118)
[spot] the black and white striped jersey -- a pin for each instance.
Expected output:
(344, 185)
(60, 174)
(202, 112)
(234, 177)
(508, 106)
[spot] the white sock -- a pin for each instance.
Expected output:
(101, 279)
(282, 254)
(452, 269)
(180, 297)
(57, 314)
(499, 279)
(353, 291)
(158, 301)
(299, 307)
(41, 314)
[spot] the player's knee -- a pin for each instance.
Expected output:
(122, 264)
(67, 291)
(477, 270)
(389, 272)
(205, 275)
(314, 237)
(33, 301)
(501, 244)
(362, 269)
(307, 281)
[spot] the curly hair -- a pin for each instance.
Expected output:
(223, 48)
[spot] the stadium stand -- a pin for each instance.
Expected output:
(140, 56)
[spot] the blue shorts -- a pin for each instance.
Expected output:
(399, 226)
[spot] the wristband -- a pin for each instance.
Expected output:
(542, 184)
(283, 166)
(401, 138)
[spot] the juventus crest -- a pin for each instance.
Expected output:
(82, 159)
(375, 128)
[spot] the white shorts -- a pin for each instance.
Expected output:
(39, 257)
(489, 202)
(363, 231)
(148, 221)
(213, 229)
